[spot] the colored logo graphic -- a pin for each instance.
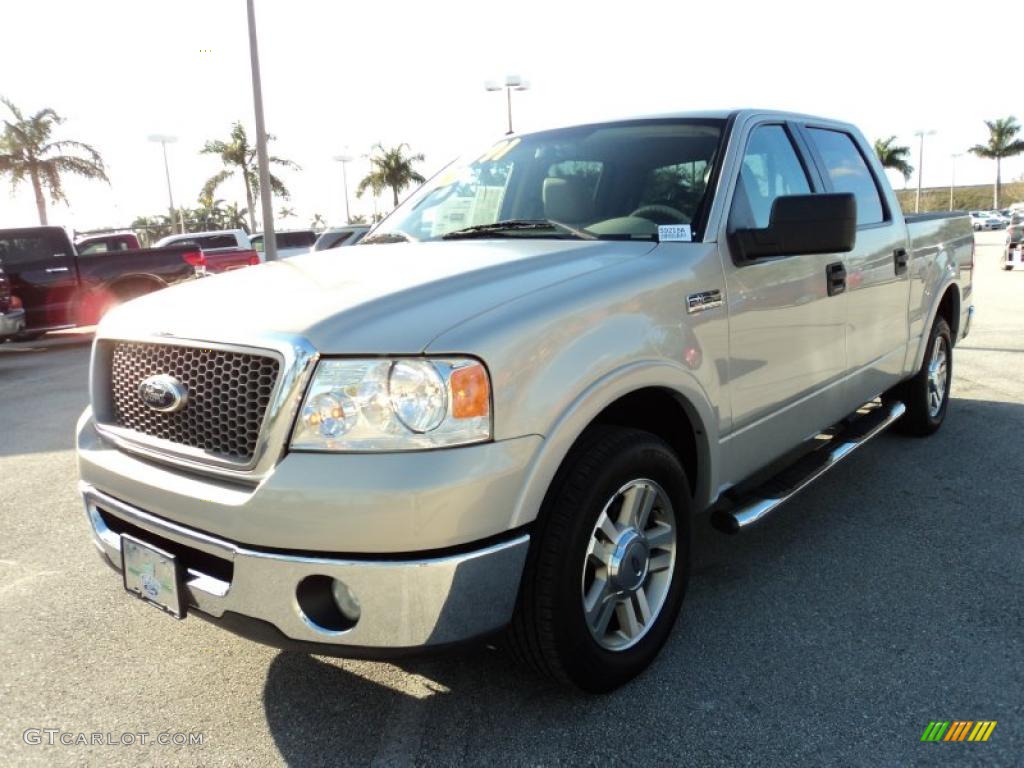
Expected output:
(958, 730)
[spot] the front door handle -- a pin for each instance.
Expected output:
(901, 258)
(835, 275)
(56, 269)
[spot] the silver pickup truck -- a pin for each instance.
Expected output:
(498, 415)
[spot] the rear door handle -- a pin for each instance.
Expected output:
(835, 275)
(56, 269)
(901, 258)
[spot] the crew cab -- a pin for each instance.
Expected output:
(500, 413)
(225, 249)
(60, 288)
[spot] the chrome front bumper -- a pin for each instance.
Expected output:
(12, 322)
(404, 604)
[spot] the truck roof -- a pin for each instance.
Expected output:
(711, 114)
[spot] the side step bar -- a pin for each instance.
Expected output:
(766, 498)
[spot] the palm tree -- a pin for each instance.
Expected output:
(391, 168)
(239, 155)
(284, 212)
(234, 217)
(894, 156)
(210, 213)
(1002, 142)
(27, 151)
(319, 223)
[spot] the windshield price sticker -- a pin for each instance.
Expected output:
(674, 233)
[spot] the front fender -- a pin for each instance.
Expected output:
(598, 396)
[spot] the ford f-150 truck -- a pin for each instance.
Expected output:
(502, 410)
(60, 288)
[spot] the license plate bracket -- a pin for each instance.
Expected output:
(152, 575)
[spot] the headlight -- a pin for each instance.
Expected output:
(394, 405)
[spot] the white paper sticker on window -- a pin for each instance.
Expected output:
(674, 233)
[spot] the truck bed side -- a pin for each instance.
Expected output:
(942, 256)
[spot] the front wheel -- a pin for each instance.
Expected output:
(607, 571)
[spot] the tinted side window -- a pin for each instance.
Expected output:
(771, 168)
(848, 172)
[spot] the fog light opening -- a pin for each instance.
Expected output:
(327, 604)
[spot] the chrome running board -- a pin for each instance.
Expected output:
(749, 508)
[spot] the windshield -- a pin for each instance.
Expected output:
(608, 181)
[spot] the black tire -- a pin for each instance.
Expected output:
(921, 419)
(549, 630)
(28, 336)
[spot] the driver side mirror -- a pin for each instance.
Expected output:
(802, 224)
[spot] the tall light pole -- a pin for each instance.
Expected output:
(164, 141)
(920, 166)
(269, 242)
(952, 178)
(512, 83)
(345, 160)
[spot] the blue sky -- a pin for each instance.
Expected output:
(340, 76)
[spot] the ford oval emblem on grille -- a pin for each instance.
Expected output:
(163, 393)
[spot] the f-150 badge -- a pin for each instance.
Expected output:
(698, 302)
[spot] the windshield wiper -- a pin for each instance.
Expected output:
(499, 228)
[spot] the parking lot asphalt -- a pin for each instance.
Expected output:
(887, 595)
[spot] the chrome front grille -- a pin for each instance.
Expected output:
(229, 393)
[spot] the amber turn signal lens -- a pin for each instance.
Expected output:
(471, 392)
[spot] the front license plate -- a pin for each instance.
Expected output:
(152, 575)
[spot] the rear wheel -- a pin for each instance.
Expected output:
(927, 394)
(607, 570)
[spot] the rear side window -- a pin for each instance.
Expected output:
(770, 169)
(849, 172)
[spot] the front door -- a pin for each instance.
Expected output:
(787, 335)
(41, 265)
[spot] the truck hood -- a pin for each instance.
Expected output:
(384, 299)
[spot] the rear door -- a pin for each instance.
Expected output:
(787, 335)
(40, 263)
(877, 270)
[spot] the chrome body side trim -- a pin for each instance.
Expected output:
(404, 604)
(297, 358)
